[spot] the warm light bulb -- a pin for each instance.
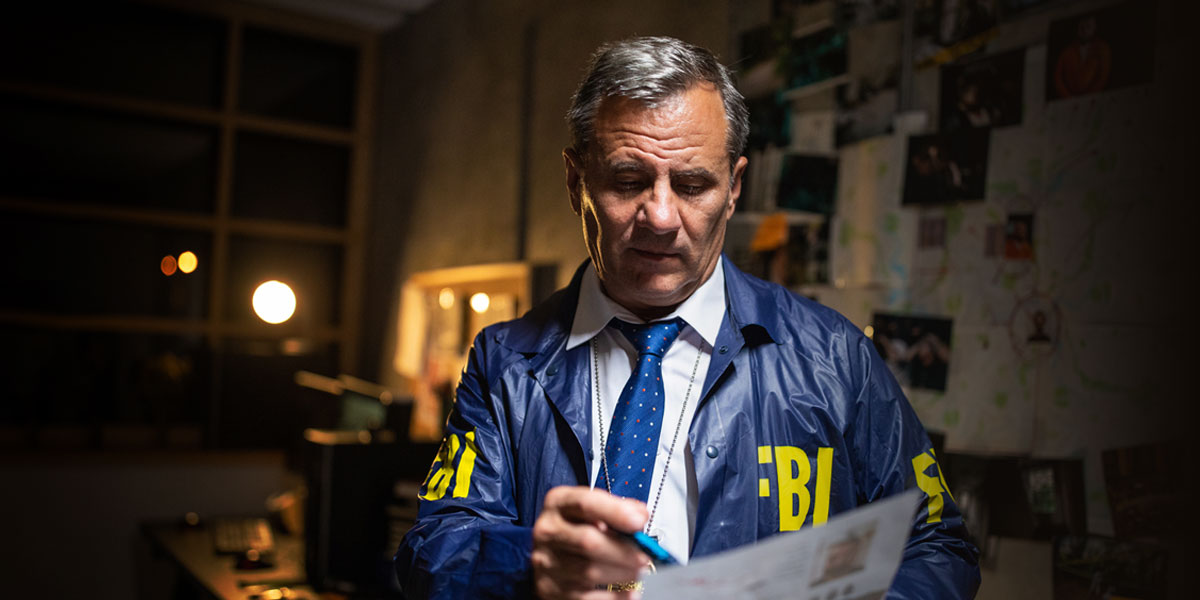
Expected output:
(188, 262)
(167, 265)
(446, 298)
(274, 302)
(480, 302)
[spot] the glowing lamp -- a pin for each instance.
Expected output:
(187, 262)
(480, 302)
(274, 302)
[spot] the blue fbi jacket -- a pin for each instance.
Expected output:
(799, 419)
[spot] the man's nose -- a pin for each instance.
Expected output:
(660, 212)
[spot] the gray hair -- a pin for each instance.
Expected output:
(651, 70)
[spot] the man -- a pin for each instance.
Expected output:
(743, 411)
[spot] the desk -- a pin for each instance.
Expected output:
(214, 575)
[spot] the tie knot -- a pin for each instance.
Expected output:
(650, 338)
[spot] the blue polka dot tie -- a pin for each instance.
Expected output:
(632, 443)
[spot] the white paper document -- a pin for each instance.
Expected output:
(853, 556)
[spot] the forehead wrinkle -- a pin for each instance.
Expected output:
(618, 145)
(677, 134)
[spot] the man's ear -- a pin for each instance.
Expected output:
(574, 166)
(735, 188)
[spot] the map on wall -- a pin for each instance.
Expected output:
(1042, 280)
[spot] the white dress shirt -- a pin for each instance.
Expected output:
(674, 518)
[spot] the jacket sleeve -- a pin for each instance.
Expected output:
(466, 543)
(892, 454)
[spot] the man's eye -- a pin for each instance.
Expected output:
(629, 185)
(690, 189)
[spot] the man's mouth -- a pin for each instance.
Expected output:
(654, 255)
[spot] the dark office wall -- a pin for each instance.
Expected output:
(451, 141)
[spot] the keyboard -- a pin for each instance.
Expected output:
(237, 536)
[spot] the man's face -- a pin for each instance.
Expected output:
(654, 193)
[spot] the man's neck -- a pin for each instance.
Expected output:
(649, 314)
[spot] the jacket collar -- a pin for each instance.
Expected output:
(751, 304)
(543, 331)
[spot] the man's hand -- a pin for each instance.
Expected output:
(572, 549)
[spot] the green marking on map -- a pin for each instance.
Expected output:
(954, 303)
(1000, 399)
(1009, 281)
(983, 340)
(1023, 374)
(1101, 292)
(891, 222)
(1097, 385)
(1004, 188)
(881, 170)
(845, 234)
(1060, 397)
(950, 417)
(954, 219)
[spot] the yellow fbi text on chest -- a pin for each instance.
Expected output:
(800, 484)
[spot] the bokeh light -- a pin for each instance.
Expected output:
(167, 265)
(274, 302)
(188, 262)
(480, 302)
(446, 298)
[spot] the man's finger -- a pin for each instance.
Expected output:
(586, 541)
(562, 575)
(586, 505)
(588, 574)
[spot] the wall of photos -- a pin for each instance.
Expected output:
(997, 219)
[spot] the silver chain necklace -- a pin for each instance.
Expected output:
(674, 438)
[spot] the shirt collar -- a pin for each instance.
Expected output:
(703, 310)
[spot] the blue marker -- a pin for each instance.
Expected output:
(647, 544)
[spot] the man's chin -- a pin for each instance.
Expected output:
(659, 291)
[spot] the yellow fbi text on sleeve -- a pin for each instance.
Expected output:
(454, 464)
(932, 482)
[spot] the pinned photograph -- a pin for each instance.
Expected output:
(1102, 50)
(1035, 327)
(983, 93)
(916, 349)
(808, 183)
(1018, 237)
(814, 58)
(945, 168)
